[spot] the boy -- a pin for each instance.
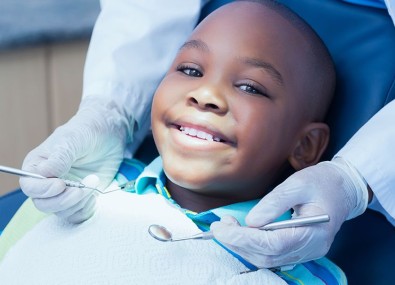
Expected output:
(241, 104)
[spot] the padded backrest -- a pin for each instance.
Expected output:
(361, 41)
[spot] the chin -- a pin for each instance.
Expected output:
(189, 183)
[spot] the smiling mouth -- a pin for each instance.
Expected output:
(199, 134)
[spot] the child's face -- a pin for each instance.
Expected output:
(225, 116)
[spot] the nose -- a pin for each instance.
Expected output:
(208, 99)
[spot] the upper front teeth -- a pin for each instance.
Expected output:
(198, 133)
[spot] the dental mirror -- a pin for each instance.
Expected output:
(163, 234)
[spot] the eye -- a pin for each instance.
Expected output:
(252, 89)
(190, 71)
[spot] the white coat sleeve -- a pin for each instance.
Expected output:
(371, 150)
(391, 8)
(132, 45)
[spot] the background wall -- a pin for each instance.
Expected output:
(43, 44)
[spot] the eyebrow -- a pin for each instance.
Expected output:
(273, 72)
(199, 44)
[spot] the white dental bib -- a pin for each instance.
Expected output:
(114, 247)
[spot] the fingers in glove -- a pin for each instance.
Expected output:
(85, 208)
(277, 202)
(266, 249)
(84, 211)
(67, 199)
(42, 188)
(54, 163)
(230, 220)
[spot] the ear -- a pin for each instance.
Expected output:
(310, 146)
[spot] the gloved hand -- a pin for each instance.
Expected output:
(333, 187)
(93, 141)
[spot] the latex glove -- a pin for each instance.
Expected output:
(334, 188)
(93, 141)
(83, 209)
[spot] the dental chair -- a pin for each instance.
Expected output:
(362, 43)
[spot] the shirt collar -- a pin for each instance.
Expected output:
(153, 180)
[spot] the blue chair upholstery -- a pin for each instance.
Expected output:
(361, 41)
(9, 203)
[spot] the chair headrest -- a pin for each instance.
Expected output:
(361, 41)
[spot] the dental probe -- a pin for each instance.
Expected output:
(23, 173)
(163, 234)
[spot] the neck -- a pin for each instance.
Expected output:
(195, 201)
